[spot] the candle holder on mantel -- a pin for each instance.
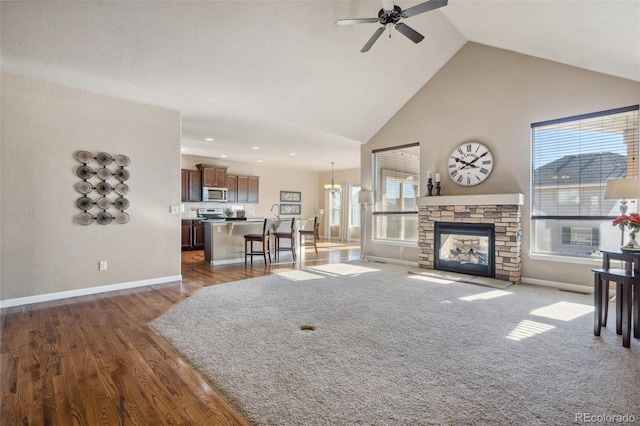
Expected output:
(429, 187)
(438, 187)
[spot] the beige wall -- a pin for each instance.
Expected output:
(43, 250)
(492, 96)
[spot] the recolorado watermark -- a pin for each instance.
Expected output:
(604, 418)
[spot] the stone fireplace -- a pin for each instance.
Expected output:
(503, 211)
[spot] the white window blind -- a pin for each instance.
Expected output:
(573, 158)
(397, 178)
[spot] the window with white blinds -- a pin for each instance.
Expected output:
(572, 159)
(396, 174)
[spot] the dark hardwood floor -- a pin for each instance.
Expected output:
(94, 360)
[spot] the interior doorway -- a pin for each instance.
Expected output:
(343, 213)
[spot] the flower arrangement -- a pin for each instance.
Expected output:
(631, 223)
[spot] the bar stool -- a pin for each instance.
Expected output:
(263, 238)
(313, 233)
(290, 235)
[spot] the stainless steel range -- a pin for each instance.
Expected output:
(211, 214)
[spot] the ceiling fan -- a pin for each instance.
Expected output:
(390, 15)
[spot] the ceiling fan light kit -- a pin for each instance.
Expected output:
(389, 17)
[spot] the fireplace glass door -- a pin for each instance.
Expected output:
(466, 248)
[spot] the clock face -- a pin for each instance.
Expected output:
(470, 164)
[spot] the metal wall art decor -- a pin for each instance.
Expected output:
(97, 192)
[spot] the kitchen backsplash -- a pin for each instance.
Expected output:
(190, 210)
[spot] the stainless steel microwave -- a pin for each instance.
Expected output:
(214, 194)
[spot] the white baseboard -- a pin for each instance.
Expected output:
(225, 262)
(86, 291)
(559, 285)
(390, 260)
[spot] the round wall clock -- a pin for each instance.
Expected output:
(470, 164)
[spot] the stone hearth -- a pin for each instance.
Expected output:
(502, 210)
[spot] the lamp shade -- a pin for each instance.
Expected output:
(622, 189)
(366, 197)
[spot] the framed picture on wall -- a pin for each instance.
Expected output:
(290, 197)
(290, 209)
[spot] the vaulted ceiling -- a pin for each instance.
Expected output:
(281, 75)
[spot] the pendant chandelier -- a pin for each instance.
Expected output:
(332, 187)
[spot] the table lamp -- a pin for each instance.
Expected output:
(622, 189)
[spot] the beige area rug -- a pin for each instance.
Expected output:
(370, 344)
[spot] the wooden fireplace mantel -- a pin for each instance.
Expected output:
(471, 200)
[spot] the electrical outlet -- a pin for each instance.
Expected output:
(103, 265)
(174, 209)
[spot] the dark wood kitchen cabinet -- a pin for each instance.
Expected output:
(243, 189)
(192, 235)
(198, 235)
(191, 185)
(214, 178)
(232, 187)
(187, 232)
(248, 189)
(254, 189)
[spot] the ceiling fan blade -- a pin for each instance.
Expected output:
(356, 21)
(409, 32)
(423, 7)
(372, 40)
(387, 4)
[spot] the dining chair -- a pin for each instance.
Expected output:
(313, 233)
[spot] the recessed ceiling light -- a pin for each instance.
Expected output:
(255, 147)
(259, 161)
(223, 156)
(293, 154)
(209, 139)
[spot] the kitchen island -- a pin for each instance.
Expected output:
(224, 241)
